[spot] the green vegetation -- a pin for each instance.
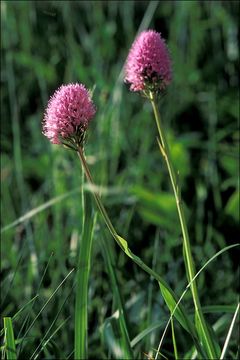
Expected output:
(45, 222)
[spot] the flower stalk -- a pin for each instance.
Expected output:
(110, 226)
(189, 262)
(95, 194)
(124, 246)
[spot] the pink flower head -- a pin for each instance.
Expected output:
(148, 63)
(68, 113)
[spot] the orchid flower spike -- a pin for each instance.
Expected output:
(67, 115)
(148, 65)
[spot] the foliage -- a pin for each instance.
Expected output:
(45, 44)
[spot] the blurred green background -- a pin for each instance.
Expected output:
(47, 43)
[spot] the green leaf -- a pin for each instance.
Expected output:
(45, 304)
(233, 205)
(202, 336)
(169, 296)
(221, 308)
(171, 304)
(157, 208)
(214, 309)
(147, 331)
(81, 311)
(112, 336)
(174, 340)
(179, 156)
(10, 347)
(108, 255)
(229, 164)
(38, 209)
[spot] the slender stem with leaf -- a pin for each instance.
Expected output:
(121, 242)
(189, 262)
(168, 294)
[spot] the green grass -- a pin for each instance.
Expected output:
(9, 341)
(45, 44)
(81, 306)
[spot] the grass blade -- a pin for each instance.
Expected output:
(113, 336)
(10, 347)
(212, 334)
(187, 287)
(45, 342)
(12, 280)
(46, 303)
(214, 309)
(44, 339)
(27, 319)
(31, 213)
(174, 340)
(109, 258)
(168, 294)
(150, 290)
(229, 333)
(147, 331)
(181, 314)
(81, 322)
(24, 307)
(38, 209)
(206, 309)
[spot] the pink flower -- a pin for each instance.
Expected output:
(148, 63)
(68, 113)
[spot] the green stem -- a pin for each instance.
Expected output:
(169, 294)
(110, 225)
(95, 194)
(174, 340)
(189, 263)
(81, 311)
(106, 250)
